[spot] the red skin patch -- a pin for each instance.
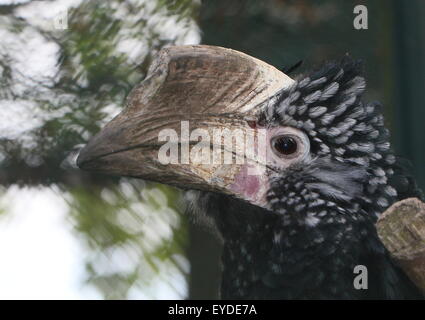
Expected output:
(252, 124)
(250, 187)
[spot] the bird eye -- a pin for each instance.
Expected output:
(285, 145)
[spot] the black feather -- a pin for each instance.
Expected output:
(321, 222)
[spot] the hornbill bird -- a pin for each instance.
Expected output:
(298, 228)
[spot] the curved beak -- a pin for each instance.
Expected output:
(190, 95)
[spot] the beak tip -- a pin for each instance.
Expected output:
(83, 158)
(80, 163)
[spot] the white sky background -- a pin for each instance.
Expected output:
(40, 257)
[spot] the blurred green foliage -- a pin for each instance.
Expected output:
(131, 230)
(136, 222)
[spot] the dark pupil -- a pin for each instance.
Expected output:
(285, 145)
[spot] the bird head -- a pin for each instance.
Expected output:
(293, 172)
(217, 120)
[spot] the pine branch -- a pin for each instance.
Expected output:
(401, 229)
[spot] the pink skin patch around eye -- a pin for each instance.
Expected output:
(251, 187)
(251, 183)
